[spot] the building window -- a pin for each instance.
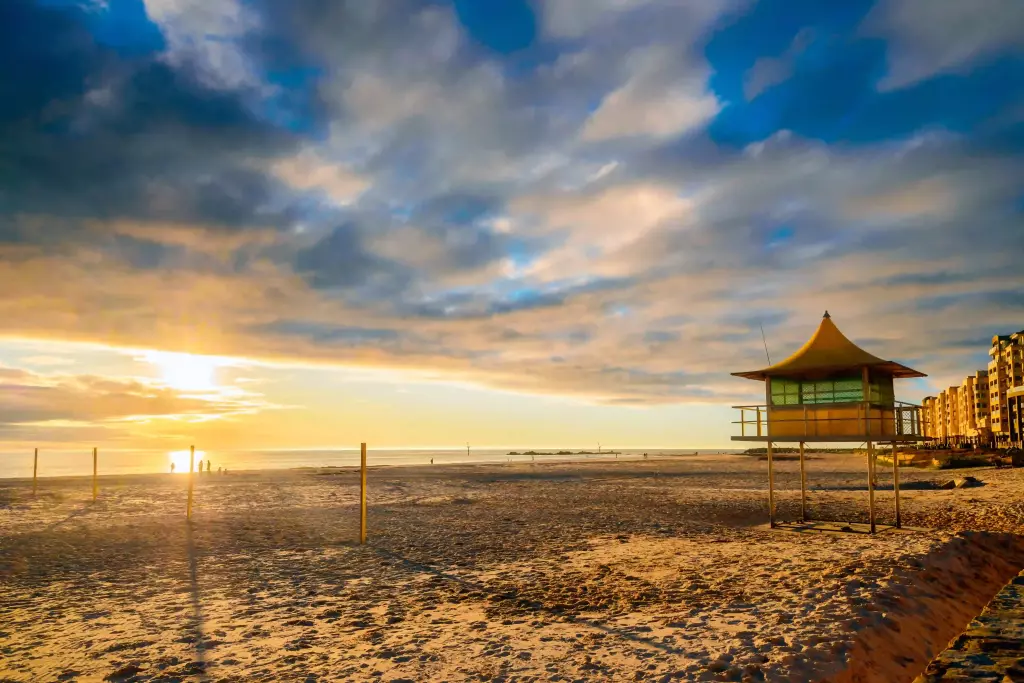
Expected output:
(846, 390)
(785, 392)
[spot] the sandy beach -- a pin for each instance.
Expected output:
(660, 569)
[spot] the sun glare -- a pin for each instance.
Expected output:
(179, 459)
(186, 372)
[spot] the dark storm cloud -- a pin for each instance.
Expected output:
(339, 261)
(89, 132)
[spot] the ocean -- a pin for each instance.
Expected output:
(66, 463)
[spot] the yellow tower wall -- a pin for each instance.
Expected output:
(819, 423)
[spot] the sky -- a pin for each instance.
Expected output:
(313, 223)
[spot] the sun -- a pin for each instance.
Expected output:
(185, 371)
(179, 459)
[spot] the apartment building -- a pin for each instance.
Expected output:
(973, 408)
(959, 415)
(988, 406)
(1005, 371)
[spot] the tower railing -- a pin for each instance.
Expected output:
(882, 420)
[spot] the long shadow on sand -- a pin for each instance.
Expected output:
(533, 607)
(195, 624)
(72, 515)
(881, 486)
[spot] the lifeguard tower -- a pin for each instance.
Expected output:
(831, 390)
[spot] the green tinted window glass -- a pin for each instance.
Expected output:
(832, 391)
(845, 390)
(785, 392)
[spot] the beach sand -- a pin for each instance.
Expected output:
(660, 569)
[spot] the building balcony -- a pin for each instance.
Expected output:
(837, 422)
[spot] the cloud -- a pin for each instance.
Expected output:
(932, 197)
(29, 398)
(89, 133)
(639, 110)
(930, 37)
(306, 171)
(598, 223)
(47, 361)
(663, 96)
(206, 36)
(607, 210)
(574, 18)
(769, 71)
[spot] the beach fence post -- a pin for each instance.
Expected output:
(191, 469)
(35, 470)
(95, 473)
(803, 486)
(362, 494)
(896, 483)
(871, 485)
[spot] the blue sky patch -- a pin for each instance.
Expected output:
(504, 26)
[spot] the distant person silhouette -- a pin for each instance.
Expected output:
(209, 466)
(172, 468)
(431, 461)
(200, 467)
(220, 470)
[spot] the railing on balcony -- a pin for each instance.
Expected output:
(842, 421)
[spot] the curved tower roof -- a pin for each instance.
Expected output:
(829, 350)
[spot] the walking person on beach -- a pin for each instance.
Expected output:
(209, 466)
(200, 467)
(172, 468)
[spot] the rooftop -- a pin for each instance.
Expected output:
(829, 349)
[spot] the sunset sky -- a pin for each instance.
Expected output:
(310, 223)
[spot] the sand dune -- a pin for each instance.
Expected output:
(631, 570)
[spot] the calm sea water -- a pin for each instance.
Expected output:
(63, 463)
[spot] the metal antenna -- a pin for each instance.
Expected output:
(765, 343)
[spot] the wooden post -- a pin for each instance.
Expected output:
(771, 489)
(35, 470)
(866, 398)
(871, 485)
(803, 486)
(95, 472)
(191, 470)
(362, 493)
(896, 484)
(768, 433)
